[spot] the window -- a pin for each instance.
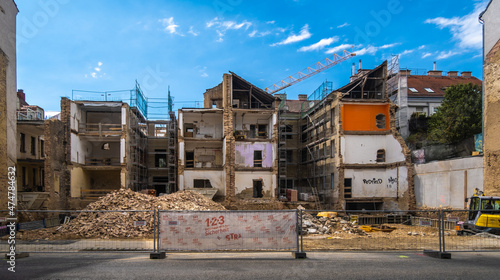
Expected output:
(23, 143)
(289, 156)
(381, 155)
(380, 121)
(23, 173)
(428, 89)
(332, 147)
(347, 188)
(257, 188)
(262, 130)
(189, 159)
(201, 183)
(33, 146)
(413, 89)
(257, 158)
(42, 148)
(160, 158)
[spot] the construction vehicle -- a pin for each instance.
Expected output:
(483, 215)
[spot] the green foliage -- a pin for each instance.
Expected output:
(459, 116)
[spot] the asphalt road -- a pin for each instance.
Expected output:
(336, 265)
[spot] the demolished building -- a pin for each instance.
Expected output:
(341, 146)
(230, 145)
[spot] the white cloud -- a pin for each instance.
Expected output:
(304, 34)
(95, 71)
(444, 54)
(421, 47)
(223, 26)
(202, 71)
(192, 32)
(406, 52)
(373, 49)
(466, 30)
(319, 45)
(270, 22)
(343, 25)
(338, 48)
(169, 25)
(426, 55)
(255, 33)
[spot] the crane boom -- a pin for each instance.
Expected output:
(309, 71)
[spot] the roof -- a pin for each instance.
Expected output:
(261, 94)
(436, 84)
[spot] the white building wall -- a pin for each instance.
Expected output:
(244, 181)
(362, 149)
(491, 23)
(366, 183)
(447, 183)
(216, 177)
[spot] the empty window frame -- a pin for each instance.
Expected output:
(201, 184)
(257, 158)
(262, 130)
(380, 121)
(33, 146)
(348, 188)
(381, 155)
(189, 159)
(160, 158)
(23, 143)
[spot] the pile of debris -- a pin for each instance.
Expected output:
(105, 218)
(329, 225)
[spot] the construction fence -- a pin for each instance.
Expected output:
(213, 231)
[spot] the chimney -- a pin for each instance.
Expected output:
(302, 97)
(466, 74)
(435, 73)
(405, 72)
(353, 71)
(360, 66)
(452, 73)
(21, 95)
(434, 68)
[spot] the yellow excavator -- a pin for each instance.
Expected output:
(483, 215)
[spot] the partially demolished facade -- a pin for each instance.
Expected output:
(231, 144)
(350, 155)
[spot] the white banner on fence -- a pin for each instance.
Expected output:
(228, 230)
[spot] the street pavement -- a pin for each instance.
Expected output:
(264, 265)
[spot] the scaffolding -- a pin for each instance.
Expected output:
(143, 112)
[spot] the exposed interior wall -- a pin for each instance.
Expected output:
(362, 149)
(362, 117)
(244, 183)
(216, 178)
(245, 154)
(380, 183)
(447, 183)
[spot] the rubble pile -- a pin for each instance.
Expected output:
(324, 225)
(121, 224)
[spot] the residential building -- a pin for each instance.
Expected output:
(8, 86)
(30, 155)
(423, 94)
(107, 145)
(230, 145)
(349, 155)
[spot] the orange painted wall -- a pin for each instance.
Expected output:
(361, 117)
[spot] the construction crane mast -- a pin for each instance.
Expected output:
(309, 71)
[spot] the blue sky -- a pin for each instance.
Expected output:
(105, 45)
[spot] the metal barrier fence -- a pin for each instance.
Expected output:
(82, 231)
(286, 230)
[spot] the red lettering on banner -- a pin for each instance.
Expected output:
(233, 236)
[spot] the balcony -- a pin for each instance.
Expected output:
(102, 161)
(100, 129)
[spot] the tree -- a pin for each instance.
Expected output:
(460, 115)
